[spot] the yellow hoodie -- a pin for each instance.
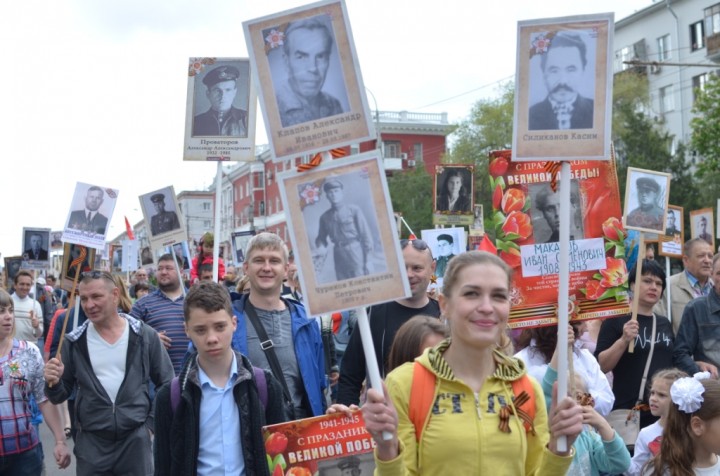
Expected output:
(462, 435)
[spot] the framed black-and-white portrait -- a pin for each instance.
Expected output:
(77, 259)
(646, 200)
(56, 243)
(163, 218)
(343, 234)
(671, 242)
(545, 212)
(90, 214)
(454, 195)
(240, 240)
(221, 110)
(701, 225)
(563, 88)
(445, 244)
(309, 79)
(36, 248)
(13, 264)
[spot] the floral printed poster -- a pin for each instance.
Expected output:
(326, 445)
(526, 222)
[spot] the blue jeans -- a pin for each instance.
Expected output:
(28, 463)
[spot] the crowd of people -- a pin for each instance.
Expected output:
(161, 376)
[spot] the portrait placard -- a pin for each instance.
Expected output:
(13, 264)
(221, 110)
(182, 254)
(309, 108)
(71, 252)
(671, 242)
(454, 192)
(646, 200)
(343, 233)
(56, 243)
(445, 243)
(526, 219)
(478, 225)
(161, 212)
(701, 225)
(239, 245)
(90, 214)
(563, 88)
(35, 248)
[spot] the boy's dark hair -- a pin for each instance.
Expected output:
(142, 287)
(22, 273)
(208, 296)
(652, 268)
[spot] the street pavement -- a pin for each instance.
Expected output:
(48, 442)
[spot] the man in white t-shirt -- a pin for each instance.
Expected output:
(28, 312)
(109, 359)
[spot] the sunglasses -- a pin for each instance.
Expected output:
(88, 275)
(419, 245)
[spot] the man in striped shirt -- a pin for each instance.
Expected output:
(162, 310)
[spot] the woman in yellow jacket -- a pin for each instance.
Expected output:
(474, 426)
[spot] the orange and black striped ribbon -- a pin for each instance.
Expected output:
(552, 168)
(317, 159)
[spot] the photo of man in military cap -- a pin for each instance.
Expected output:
(345, 227)
(223, 118)
(445, 253)
(648, 214)
(163, 221)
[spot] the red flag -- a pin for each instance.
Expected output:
(487, 245)
(128, 228)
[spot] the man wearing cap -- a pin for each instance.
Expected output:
(346, 227)
(648, 214)
(90, 219)
(222, 119)
(306, 52)
(445, 253)
(163, 221)
(704, 235)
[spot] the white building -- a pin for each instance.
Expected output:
(677, 44)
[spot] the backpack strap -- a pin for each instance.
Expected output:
(174, 394)
(422, 395)
(261, 383)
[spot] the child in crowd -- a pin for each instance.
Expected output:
(648, 441)
(205, 256)
(598, 449)
(691, 440)
(413, 337)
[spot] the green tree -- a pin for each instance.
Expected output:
(706, 127)
(411, 195)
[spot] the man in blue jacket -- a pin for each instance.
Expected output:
(291, 335)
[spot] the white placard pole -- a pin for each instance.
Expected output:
(563, 290)
(216, 239)
(668, 307)
(178, 270)
(363, 324)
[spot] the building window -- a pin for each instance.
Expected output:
(697, 36)
(667, 102)
(712, 20)
(664, 48)
(418, 152)
(354, 149)
(258, 179)
(207, 224)
(699, 83)
(622, 55)
(206, 206)
(392, 149)
(278, 205)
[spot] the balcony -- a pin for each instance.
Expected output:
(419, 117)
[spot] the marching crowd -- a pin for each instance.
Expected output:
(175, 379)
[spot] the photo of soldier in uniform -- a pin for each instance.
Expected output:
(163, 220)
(345, 233)
(646, 200)
(221, 100)
(35, 244)
(162, 212)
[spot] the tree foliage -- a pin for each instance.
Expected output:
(411, 195)
(706, 127)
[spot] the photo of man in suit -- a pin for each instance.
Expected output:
(35, 252)
(90, 219)
(222, 119)
(671, 224)
(306, 55)
(703, 230)
(563, 69)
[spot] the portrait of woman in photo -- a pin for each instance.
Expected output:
(454, 195)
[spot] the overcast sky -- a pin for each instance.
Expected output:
(94, 91)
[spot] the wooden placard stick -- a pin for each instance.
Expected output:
(77, 262)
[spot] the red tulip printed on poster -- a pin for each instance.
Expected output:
(326, 445)
(525, 216)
